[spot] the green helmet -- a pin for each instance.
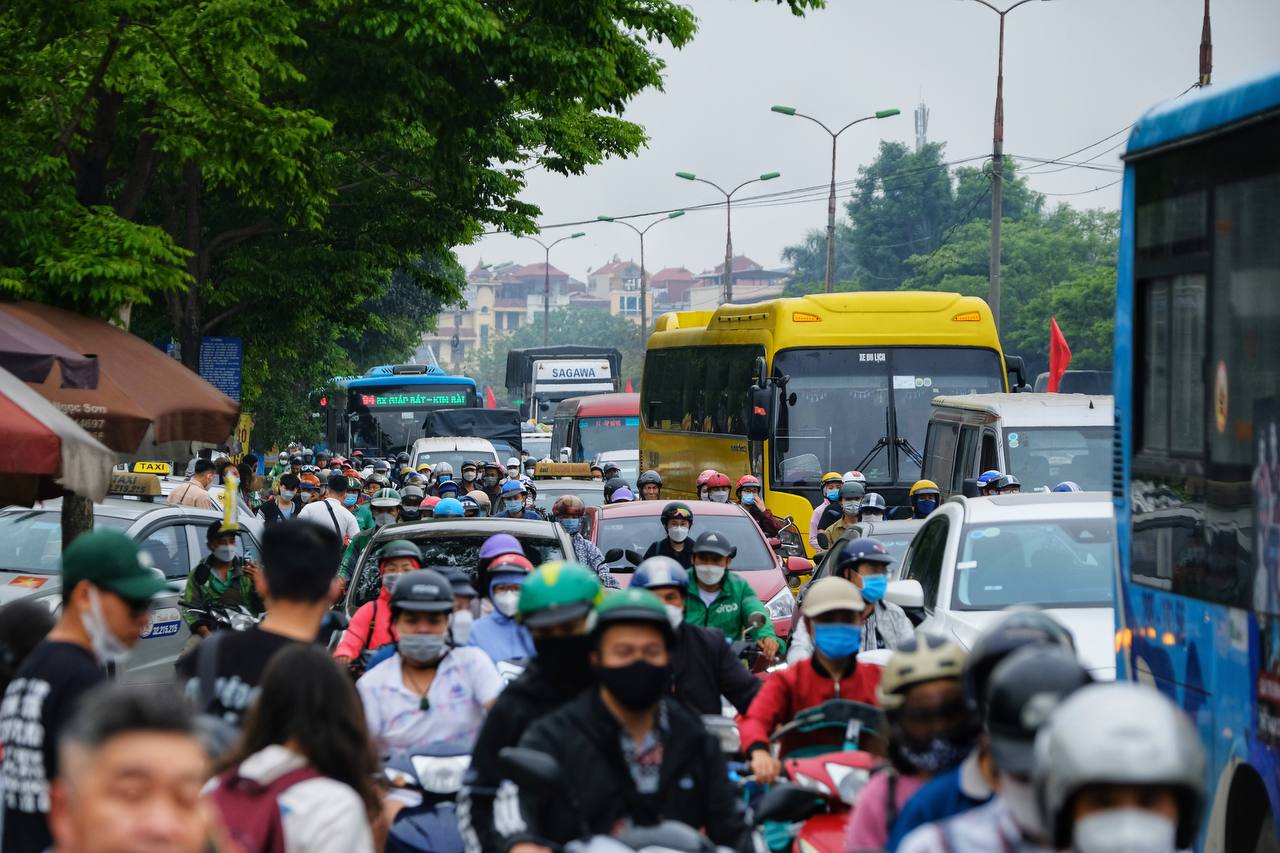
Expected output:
(400, 548)
(385, 497)
(558, 592)
(632, 606)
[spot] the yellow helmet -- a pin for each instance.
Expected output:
(832, 477)
(924, 487)
(926, 657)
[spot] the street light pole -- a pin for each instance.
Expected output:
(644, 283)
(728, 221)
(831, 199)
(546, 281)
(997, 165)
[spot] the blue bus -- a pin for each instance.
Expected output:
(1197, 468)
(382, 412)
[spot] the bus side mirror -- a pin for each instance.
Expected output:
(759, 413)
(970, 488)
(1017, 370)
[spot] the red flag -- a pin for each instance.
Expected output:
(629, 391)
(1059, 355)
(491, 402)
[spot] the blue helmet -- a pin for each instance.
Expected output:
(658, 572)
(987, 476)
(449, 508)
(446, 485)
(512, 487)
(1068, 486)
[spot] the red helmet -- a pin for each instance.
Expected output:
(705, 476)
(718, 481)
(747, 481)
(568, 506)
(510, 563)
(430, 501)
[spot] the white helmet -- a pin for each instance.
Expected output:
(444, 469)
(513, 462)
(1122, 734)
(854, 477)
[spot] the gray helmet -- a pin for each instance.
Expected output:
(400, 548)
(873, 501)
(1118, 733)
(422, 591)
(852, 489)
(649, 478)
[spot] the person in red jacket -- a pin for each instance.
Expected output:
(833, 617)
(370, 626)
(750, 499)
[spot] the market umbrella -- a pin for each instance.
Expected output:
(44, 454)
(139, 385)
(29, 355)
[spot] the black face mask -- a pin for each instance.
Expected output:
(637, 685)
(565, 661)
(409, 513)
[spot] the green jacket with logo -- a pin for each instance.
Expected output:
(200, 593)
(729, 610)
(364, 516)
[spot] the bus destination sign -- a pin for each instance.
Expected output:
(403, 400)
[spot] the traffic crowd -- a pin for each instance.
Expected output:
(284, 737)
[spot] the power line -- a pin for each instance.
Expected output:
(1086, 192)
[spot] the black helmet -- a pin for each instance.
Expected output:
(402, 457)
(461, 583)
(649, 478)
(295, 459)
(862, 550)
(712, 542)
(873, 502)
(1025, 688)
(606, 467)
(423, 591)
(676, 509)
(612, 485)
(1026, 627)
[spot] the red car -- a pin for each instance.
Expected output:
(631, 527)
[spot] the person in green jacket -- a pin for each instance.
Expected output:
(221, 579)
(385, 509)
(720, 599)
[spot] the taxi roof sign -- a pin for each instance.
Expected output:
(163, 469)
(572, 470)
(138, 485)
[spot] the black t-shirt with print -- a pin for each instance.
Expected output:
(242, 657)
(36, 706)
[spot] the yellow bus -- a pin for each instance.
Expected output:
(792, 388)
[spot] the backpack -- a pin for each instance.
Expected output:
(251, 811)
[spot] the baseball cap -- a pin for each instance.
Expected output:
(714, 542)
(827, 594)
(111, 560)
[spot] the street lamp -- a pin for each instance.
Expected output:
(546, 281)
(997, 164)
(728, 221)
(644, 284)
(831, 200)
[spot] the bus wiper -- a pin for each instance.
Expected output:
(912, 453)
(881, 443)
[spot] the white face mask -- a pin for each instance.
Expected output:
(709, 573)
(506, 602)
(675, 615)
(468, 476)
(512, 473)
(720, 496)
(678, 533)
(225, 553)
(850, 507)
(1020, 798)
(1124, 831)
(383, 518)
(306, 497)
(460, 625)
(107, 647)
(287, 496)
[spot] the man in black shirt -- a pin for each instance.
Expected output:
(677, 520)
(298, 581)
(106, 595)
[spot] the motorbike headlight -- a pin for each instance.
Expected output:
(848, 780)
(441, 775)
(812, 784)
(782, 605)
(398, 778)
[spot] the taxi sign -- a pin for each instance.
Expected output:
(572, 470)
(140, 485)
(163, 469)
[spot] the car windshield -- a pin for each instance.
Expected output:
(638, 532)
(629, 469)
(454, 457)
(538, 446)
(548, 491)
(1067, 563)
(837, 407)
(31, 539)
(602, 435)
(1043, 457)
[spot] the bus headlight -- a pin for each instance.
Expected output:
(782, 605)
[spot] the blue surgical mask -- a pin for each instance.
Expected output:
(873, 587)
(748, 498)
(924, 506)
(833, 495)
(350, 500)
(515, 505)
(837, 641)
(571, 525)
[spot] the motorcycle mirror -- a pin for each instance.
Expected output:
(613, 555)
(530, 769)
(756, 620)
(785, 802)
(823, 542)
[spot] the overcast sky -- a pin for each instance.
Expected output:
(1075, 71)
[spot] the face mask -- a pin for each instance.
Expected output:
(224, 553)
(924, 507)
(833, 495)
(512, 473)
(107, 647)
(873, 587)
(837, 641)
(708, 574)
(306, 497)
(720, 496)
(565, 661)
(871, 515)
(460, 626)
(849, 507)
(1020, 798)
(383, 518)
(286, 495)
(571, 525)
(514, 505)
(1127, 830)
(506, 603)
(933, 757)
(748, 498)
(490, 482)
(637, 685)
(675, 615)
(350, 500)
(468, 476)
(678, 533)
(422, 648)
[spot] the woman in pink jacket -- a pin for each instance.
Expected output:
(370, 626)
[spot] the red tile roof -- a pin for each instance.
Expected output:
(671, 274)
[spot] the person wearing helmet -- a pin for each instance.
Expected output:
(701, 484)
(482, 500)
(717, 488)
(569, 511)
(309, 489)
(1068, 486)
(513, 468)
(627, 734)
(718, 598)
(650, 485)
(703, 666)
(513, 494)
(854, 477)
(621, 495)
(222, 579)
(281, 466)
(497, 545)
(470, 509)
(447, 508)
(965, 787)
(1024, 689)
(469, 472)
(677, 521)
(612, 470)
(597, 473)
(529, 464)
(429, 691)
(411, 498)
(833, 616)
(295, 464)
(384, 509)
(556, 603)
(1006, 484)
(370, 626)
(611, 486)
(931, 730)
(831, 483)
(1120, 767)
(751, 499)
(985, 479)
(872, 507)
(531, 498)
(924, 496)
(447, 488)
(849, 505)
(498, 633)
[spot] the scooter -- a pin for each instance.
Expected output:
(428, 782)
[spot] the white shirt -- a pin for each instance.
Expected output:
(466, 681)
(318, 815)
(317, 512)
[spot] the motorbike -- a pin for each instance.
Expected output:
(789, 546)
(235, 618)
(427, 781)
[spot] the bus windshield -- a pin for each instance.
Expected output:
(392, 415)
(606, 434)
(1043, 457)
(841, 405)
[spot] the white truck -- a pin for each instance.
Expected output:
(540, 377)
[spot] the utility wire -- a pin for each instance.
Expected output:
(1086, 192)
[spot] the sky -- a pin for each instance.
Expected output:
(1076, 71)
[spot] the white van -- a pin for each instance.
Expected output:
(455, 451)
(1043, 439)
